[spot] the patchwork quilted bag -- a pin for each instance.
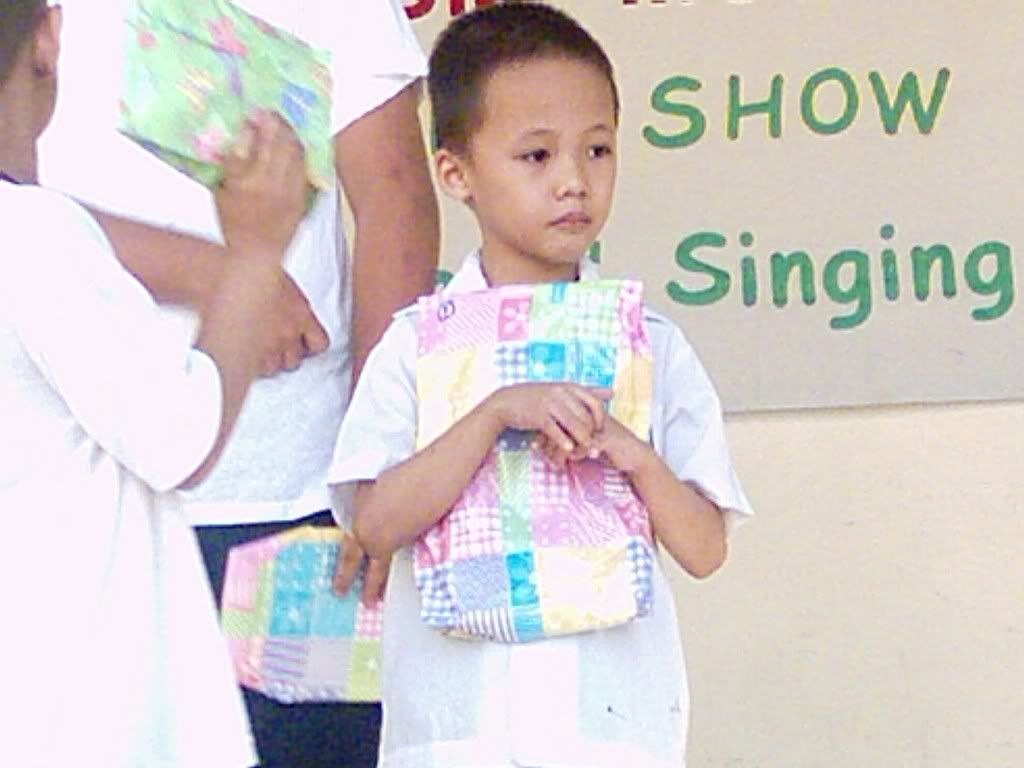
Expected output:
(195, 69)
(530, 551)
(290, 636)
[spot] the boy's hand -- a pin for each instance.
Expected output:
(263, 195)
(566, 416)
(621, 448)
(296, 332)
(375, 578)
(613, 443)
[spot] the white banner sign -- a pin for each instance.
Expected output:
(828, 197)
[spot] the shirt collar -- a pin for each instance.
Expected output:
(470, 276)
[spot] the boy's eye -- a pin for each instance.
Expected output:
(536, 156)
(600, 150)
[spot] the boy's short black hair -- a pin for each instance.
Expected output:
(17, 22)
(477, 44)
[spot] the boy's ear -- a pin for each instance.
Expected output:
(46, 45)
(453, 175)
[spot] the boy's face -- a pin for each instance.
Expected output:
(539, 171)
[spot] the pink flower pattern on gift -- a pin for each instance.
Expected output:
(631, 310)
(429, 334)
(240, 595)
(146, 38)
(514, 318)
(225, 37)
(432, 548)
(208, 143)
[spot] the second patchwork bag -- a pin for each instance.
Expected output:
(290, 636)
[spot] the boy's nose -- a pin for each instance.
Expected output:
(572, 180)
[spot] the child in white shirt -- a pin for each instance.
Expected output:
(110, 653)
(525, 115)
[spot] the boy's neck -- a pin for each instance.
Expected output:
(496, 272)
(18, 158)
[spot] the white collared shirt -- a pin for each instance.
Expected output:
(110, 654)
(604, 699)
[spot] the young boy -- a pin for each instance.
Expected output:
(525, 119)
(110, 652)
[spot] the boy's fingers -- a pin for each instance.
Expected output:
(263, 129)
(243, 146)
(576, 419)
(594, 400)
(557, 456)
(238, 156)
(556, 435)
(293, 356)
(375, 580)
(315, 338)
(286, 149)
(269, 365)
(350, 555)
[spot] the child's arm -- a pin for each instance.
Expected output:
(410, 497)
(127, 377)
(183, 269)
(689, 526)
(175, 267)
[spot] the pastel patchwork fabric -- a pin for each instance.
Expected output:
(195, 69)
(529, 551)
(290, 636)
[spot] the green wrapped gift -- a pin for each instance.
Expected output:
(195, 69)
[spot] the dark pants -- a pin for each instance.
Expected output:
(296, 735)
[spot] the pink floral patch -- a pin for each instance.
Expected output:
(265, 28)
(514, 318)
(146, 39)
(434, 546)
(209, 142)
(430, 333)
(631, 311)
(225, 37)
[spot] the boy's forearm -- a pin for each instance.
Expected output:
(412, 496)
(394, 263)
(176, 268)
(231, 333)
(229, 293)
(382, 164)
(687, 524)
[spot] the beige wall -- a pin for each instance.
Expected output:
(872, 615)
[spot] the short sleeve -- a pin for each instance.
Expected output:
(687, 425)
(379, 428)
(375, 54)
(129, 377)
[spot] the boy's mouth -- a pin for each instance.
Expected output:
(574, 220)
